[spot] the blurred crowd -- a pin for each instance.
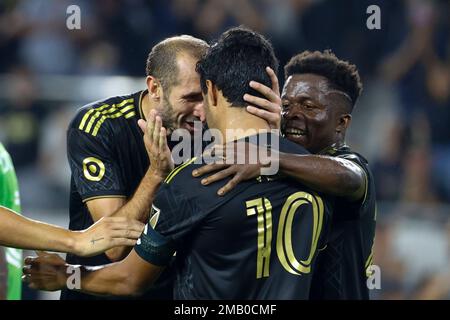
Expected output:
(402, 122)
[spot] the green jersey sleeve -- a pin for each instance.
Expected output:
(9, 197)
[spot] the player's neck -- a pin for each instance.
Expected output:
(236, 123)
(147, 105)
(332, 147)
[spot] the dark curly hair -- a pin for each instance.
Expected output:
(239, 56)
(341, 74)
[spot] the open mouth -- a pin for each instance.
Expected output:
(190, 124)
(295, 133)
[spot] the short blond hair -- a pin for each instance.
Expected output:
(162, 59)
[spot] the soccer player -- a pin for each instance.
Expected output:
(257, 242)
(106, 152)
(318, 98)
(19, 232)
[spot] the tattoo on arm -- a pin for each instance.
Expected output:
(95, 240)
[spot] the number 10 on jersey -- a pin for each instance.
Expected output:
(262, 208)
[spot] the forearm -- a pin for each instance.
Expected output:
(106, 280)
(325, 174)
(115, 279)
(3, 274)
(138, 207)
(129, 277)
(20, 232)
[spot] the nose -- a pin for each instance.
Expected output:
(199, 111)
(291, 112)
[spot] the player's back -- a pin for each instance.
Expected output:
(260, 244)
(257, 242)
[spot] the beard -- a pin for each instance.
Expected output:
(168, 120)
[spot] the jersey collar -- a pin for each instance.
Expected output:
(141, 96)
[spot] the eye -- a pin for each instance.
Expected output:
(194, 98)
(309, 105)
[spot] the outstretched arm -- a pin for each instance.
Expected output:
(129, 277)
(330, 175)
(20, 232)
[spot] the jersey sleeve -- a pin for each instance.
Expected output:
(174, 216)
(9, 195)
(360, 163)
(93, 164)
(369, 187)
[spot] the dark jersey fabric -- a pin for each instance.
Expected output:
(259, 241)
(342, 266)
(107, 158)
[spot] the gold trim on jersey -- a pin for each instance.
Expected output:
(366, 182)
(368, 264)
(93, 169)
(124, 108)
(369, 260)
(178, 169)
(105, 196)
(113, 116)
(141, 96)
(88, 114)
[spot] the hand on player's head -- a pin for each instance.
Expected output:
(269, 108)
(231, 164)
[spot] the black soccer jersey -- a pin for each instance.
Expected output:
(342, 266)
(107, 158)
(257, 242)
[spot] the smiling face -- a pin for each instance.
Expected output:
(183, 103)
(313, 114)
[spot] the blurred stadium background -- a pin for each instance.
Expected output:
(401, 124)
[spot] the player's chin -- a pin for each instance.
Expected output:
(300, 139)
(189, 126)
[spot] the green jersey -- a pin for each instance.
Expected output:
(9, 197)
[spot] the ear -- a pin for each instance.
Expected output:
(343, 122)
(211, 94)
(154, 88)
